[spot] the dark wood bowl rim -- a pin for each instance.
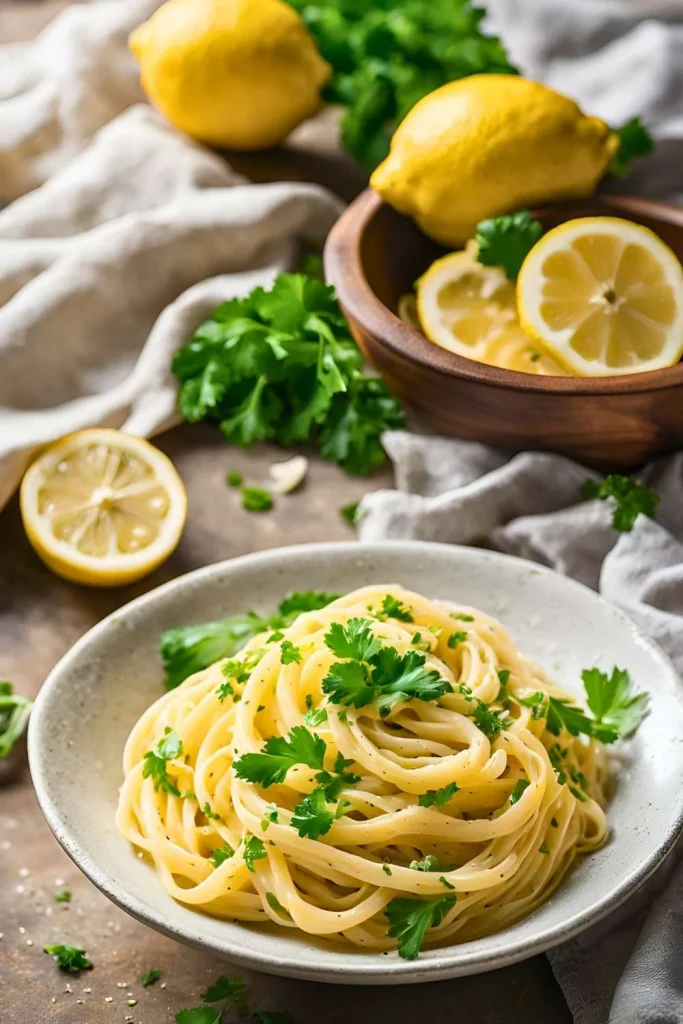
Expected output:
(345, 269)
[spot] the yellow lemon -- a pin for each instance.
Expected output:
(240, 74)
(486, 145)
(471, 310)
(604, 296)
(102, 507)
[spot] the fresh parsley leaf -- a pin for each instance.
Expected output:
(199, 1015)
(393, 608)
(221, 854)
(314, 717)
(298, 602)
(518, 789)
(189, 649)
(270, 815)
(409, 920)
(69, 958)
(234, 479)
(490, 722)
(150, 976)
(232, 989)
(629, 498)
(168, 748)
(289, 653)
(256, 499)
(634, 141)
(279, 754)
(562, 714)
(281, 365)
(253, 850)
(506, 241)
(503, 678)
(349, 513)
(456, 638)
(63, 896)
(311, 817)
(355, 640)
(388, 55)
(349, 683)
(400, 677)
(438, 797)
(544, 848)
(14, 715)
(617, 711)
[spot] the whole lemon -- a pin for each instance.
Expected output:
(486, 145)
(239, 74)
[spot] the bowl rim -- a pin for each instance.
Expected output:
(345, 270)
(386, 972)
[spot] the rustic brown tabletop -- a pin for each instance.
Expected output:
(40, 617)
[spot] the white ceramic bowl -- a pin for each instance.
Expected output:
(95, 694)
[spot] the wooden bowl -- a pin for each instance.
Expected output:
(373, 257)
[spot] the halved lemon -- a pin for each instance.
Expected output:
(604, 296)
(471, 309)
(102, 507)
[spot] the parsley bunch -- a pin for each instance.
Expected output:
(389, 54)
(189, 649)
(281, 365)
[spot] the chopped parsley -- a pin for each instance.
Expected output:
(234, 479)
(519, 787)
(438, 797)
(428, 863)
(256, 499)
(270, 814)
(410, 918)
(150, 977)
(168, 748)
(462, 617)
(253, 850)
(444, 881)
(69, 958)
(274, 903)
(350, 513)
(211, 815)
(490, 722)
(456, 638)
(385, 867)
(314, 717)
(63, 896)
(628, 496)
(289, 654)
(544, 848)
(393, 608)
(221, 854)
(311, 817)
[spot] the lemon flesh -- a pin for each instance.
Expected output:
(103, 508)
(471, 310)
(488, 144)
(604, 296)
(238, 74)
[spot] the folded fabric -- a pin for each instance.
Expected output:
(530, 505)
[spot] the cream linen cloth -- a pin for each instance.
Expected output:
(134, 236)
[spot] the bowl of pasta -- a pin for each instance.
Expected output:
(367, 764)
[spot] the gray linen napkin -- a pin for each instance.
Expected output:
(530, 505)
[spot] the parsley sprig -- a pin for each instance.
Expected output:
(281, 365)
(169, 747)
(70, 959)
(506, 241)
(628, 496)
(189, 649)
(634, 141)
(14, 715)
(389, 54)
(616, 710)
(269, 767)
(410, 919)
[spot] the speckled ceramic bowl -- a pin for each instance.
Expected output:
(94, 696)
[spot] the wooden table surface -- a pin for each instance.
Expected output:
(40, 617)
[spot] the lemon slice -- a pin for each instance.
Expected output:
(471, 309)
(102, 507)
(605, 296)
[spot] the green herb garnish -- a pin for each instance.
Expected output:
(253, 850)
(629, 498)
(221, 854)
(270, 766)
(69, 958)
(438, 797)
(634, 141)
(150, 977)
(14, 715)
(506, 241)
(256, 499)
(518, 789)
(617, 711)
(409, 920)
(169, 747)
(350, 513)
(63, 896)
(234, 479)
(289, 654)
(456, 638)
